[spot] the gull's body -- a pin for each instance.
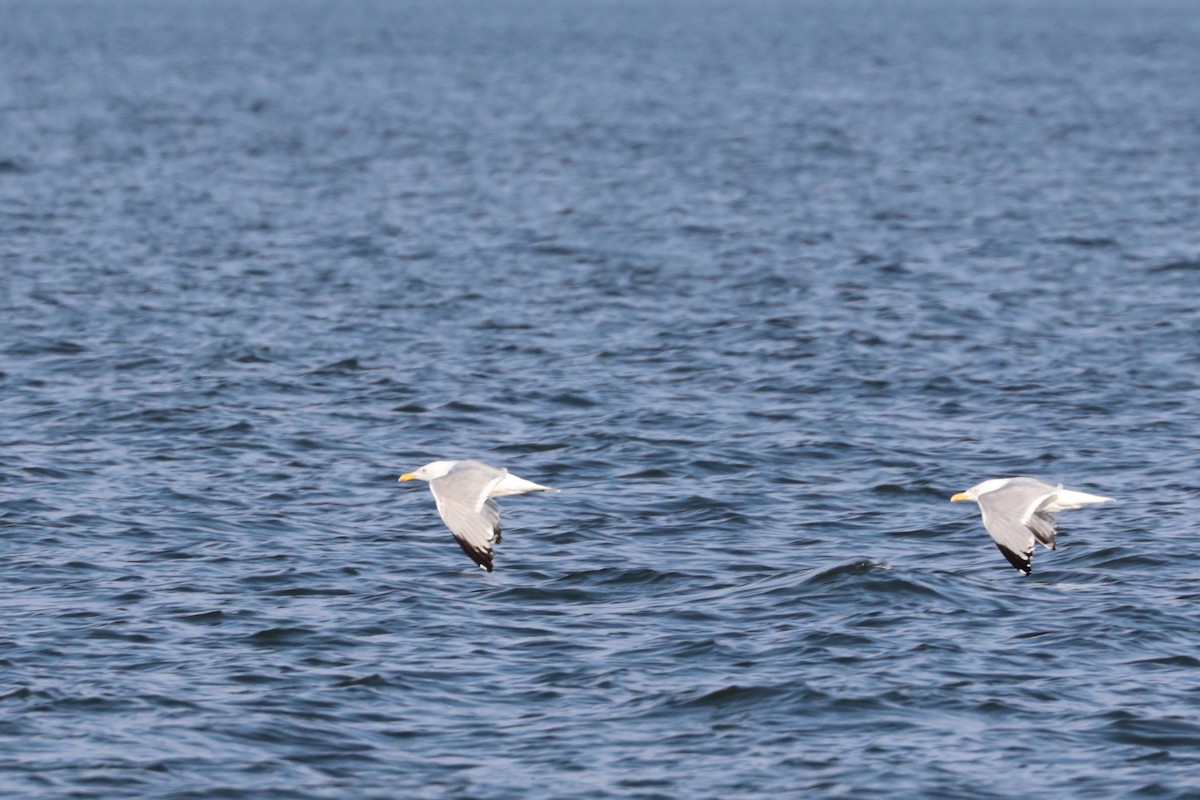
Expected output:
(463, 491)
(1018, 512)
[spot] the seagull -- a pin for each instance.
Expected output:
(463, 491)
(1020, 511)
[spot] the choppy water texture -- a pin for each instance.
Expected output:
(758, 287)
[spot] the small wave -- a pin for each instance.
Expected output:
(282, 635)
(346, 365)
(1187, 265)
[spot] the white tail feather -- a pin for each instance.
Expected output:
(1065, 500)
(511, 484)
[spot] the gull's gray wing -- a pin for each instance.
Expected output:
(462, 501)
(1014, 522)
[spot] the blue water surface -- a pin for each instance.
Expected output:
(758, 285)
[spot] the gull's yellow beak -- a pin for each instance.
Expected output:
(408, 476)
(955, 499)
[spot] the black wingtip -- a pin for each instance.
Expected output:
(1022, 562)
(481, 557)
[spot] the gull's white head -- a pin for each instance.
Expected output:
(429, 472)
(980, 488)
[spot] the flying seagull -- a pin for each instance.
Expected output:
(1020, 511)
(463, 491)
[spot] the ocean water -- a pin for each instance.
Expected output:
(758, 286)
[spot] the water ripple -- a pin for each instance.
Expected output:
(758, 292)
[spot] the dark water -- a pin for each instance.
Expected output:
(758, 286)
